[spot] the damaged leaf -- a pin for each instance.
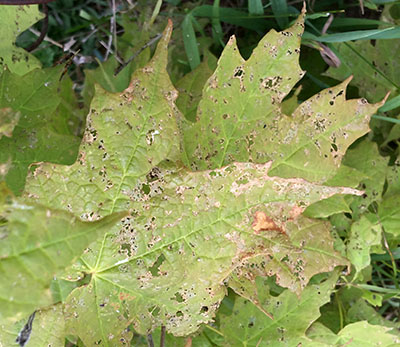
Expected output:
(37, 242)
(15, 20)
(189, 234)
(247, 325)
(240, 119)
(40, 118)
(127, 134)
(168, 267)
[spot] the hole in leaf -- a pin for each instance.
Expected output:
(145, 189)
(154, 174)
(178, 297)
(285, 258)
(238, 73)
(204, 309)
(179, 314)
(156, 266)
(154, 310)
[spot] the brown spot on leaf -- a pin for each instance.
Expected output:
(126, 296)
(264, 223)
(295, 212)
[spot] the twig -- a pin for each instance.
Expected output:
(162, 336)
(46, 38)
(110, 37)
(114, 26)
(327, 25)
(150, 341)
(43, 31)
(361, 6)
(111, 51)
(122, 66)
(94, 30)
(326, 53)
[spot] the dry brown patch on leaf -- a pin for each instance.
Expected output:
(264, 223)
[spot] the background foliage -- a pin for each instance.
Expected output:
(135, 194)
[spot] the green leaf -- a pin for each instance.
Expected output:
(47, 329)
(190, 87)
(360, 310)
(373, 65)
(44, 111)
(190, 234)
(328, 207)
(240, 105)
(127, 134)
(345, 176)
(389, 213)
(15, 20)
(355, 334)
(365, 157)
(104, 76)
(36, 243)
(129, 44)
(247, 325)
(364, 235)
(370, 65)
(171, 264)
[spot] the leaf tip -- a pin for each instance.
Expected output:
(304, 9)
(168, 31)
(384, 99)
(348, 80)
(232, 41)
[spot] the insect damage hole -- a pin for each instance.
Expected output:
(238, 72)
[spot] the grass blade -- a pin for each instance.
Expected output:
(391, 104)
(280, 10)
(234, 17)
(387, 119)
(190, 42)
(256, 7)
(374, 34)
(216, 24)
